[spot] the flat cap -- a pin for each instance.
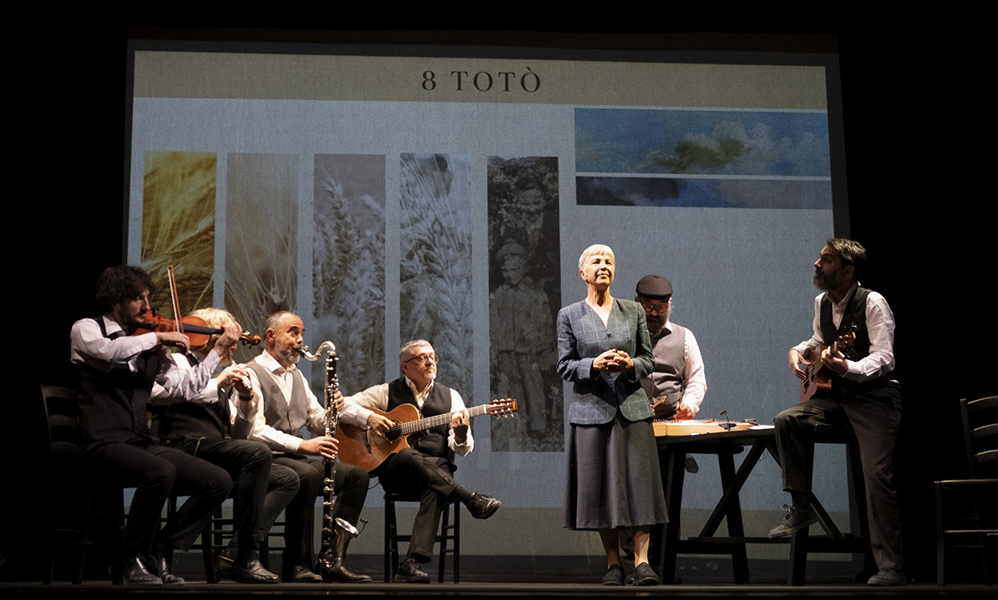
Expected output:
(654, 287)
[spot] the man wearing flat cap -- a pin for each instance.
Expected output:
(677, 385)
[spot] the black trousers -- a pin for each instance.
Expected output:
(155, 472)
(875, 418)
(261, 493)
(411, 472)
(299, 529)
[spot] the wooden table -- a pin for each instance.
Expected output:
(672, 461)
(666, 546)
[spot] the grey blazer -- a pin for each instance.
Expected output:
(595, 395)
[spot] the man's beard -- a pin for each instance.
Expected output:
(827, 282)
(656, 322)
(290, 354)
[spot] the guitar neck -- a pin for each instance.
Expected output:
(434, 421)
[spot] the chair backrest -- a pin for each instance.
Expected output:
(980, 432)
(62, 413)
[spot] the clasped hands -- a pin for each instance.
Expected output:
(613, 361)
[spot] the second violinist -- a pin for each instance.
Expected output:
(213, 427)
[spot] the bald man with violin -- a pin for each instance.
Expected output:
(117, 373)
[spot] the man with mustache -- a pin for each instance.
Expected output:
(282, 404)
(863, 395)
(677, 385)
(426, 468)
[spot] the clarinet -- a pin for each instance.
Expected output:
(327, 556)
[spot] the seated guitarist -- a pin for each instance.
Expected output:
(426, 469)
(862, 394)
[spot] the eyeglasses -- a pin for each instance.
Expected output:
(655, 309)
(424, 358)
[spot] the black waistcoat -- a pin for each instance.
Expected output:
(434, 443)
(195, 420)
(114, 402)
(853, 319)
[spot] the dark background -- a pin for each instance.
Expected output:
(919, 200)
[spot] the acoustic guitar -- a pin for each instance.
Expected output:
(366, 449)
(819, 377)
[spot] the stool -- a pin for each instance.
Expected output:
(449, 532)
(856, 542)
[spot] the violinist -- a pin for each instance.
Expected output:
(117, 373)
(206, 427)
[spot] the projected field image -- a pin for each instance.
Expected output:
(435, 271)
(178, 226)
(348, 265)
(261, 238)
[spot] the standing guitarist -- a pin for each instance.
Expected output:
(426, 469)
(862, 394)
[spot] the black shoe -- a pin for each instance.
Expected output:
(409, 572)
(614, 575)
(166, 576)
(341, 574)
(252, 572)
(223, 566)
(796, 519)
(887, 577)
(644, 575)
(134, 572)
(302, 574)
(482, 507)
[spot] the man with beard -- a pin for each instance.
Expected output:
(117, 371)
(862, 395)
(427, 468)
(677, 385)
(282, 404)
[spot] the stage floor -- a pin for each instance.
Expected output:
(494, 590)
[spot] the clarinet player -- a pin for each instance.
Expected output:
(283, 403)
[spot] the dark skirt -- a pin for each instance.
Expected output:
(613, 476)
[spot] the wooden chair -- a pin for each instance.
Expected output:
(449, 532)
(966, 513)
(78, 514)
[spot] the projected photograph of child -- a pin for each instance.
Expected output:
(261, 239)
(524, 285)
(703, 158)
(178, 226)
(435, 266)
(348, 265)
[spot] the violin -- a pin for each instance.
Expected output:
(195, 328)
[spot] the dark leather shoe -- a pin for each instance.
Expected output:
(302, 574)
(134, 572)
(341, 574)
(252, 572)
(644, 575)
(482, 507)
(166, 576)
(410, 572)
(223, 566)
(614, 575)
